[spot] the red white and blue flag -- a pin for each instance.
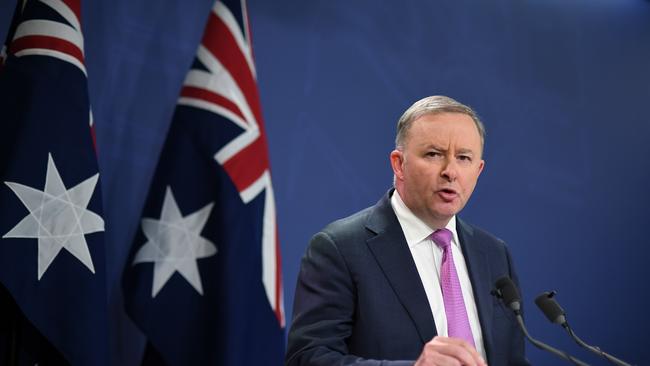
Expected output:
(203, 281)
(52, 254)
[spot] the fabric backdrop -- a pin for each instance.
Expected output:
(562, 86)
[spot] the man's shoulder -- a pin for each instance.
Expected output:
(363, 224)
(354, 224)
(479, 235)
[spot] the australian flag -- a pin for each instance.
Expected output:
(52, 254)
(203, 281)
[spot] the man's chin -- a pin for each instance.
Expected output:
(446, 212)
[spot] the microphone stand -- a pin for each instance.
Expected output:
(594, 349)
(549, 306)
(506, 290)
(546, 347)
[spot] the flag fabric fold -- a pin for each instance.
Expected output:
(203, 281)
(52, 254)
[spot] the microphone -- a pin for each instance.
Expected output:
(549, 306)
(507, 291)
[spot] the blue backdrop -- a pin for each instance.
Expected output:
(563, 87)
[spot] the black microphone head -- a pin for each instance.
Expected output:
(509, 293)
(553, 311)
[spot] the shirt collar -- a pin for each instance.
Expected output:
(415, 230)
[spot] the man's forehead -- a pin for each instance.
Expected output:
(464, 143)
(443, 117)
(450, 119)
(446, 145)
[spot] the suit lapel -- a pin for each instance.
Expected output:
(479, 274)
(391, 251)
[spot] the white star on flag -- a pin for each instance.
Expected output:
(58, 217)
(175, 243)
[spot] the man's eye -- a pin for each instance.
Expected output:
(465, 158)
(433, 154)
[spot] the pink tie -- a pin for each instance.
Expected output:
(457, 321)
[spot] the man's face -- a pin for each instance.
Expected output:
(437, 168)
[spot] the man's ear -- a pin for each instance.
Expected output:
(397, 163)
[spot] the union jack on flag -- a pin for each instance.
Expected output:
(52, 254)
(204, 279)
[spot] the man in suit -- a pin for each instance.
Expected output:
(406, 281)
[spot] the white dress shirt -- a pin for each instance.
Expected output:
(428, 260)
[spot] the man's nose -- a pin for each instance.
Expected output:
(449, 170)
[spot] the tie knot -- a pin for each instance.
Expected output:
(442, 238)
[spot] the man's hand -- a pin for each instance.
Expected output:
(447, 351)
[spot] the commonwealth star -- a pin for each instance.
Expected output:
(58, 217)
(175, 243)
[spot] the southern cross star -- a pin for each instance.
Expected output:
(175, 243)
(58, 217)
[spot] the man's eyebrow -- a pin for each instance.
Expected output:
(433, 146)
(465, 151)
(441, 149)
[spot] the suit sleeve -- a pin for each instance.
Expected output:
(517, 349)
(324, 308)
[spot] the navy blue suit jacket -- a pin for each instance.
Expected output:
(359, 298)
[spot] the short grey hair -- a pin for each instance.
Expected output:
(433, 105)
